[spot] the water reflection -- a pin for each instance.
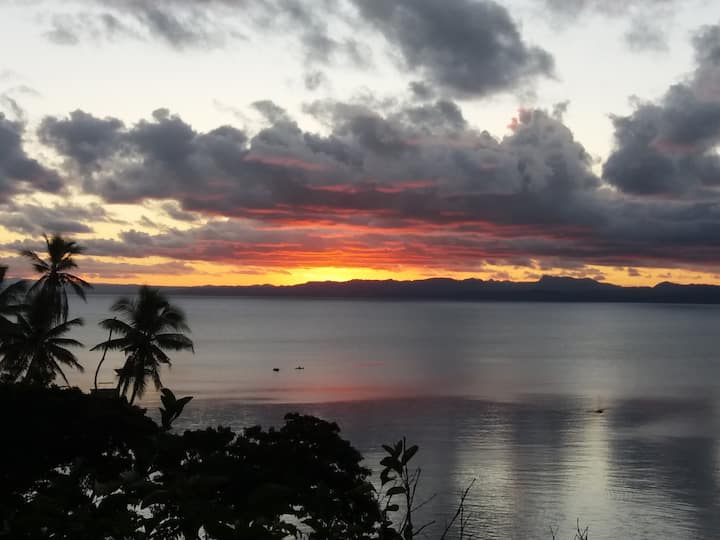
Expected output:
(641, 469)
(663, 462)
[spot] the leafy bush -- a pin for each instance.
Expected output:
(80, 466)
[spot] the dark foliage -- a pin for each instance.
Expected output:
(172, 407)
(34, 348)
(63, 447)
(82, 466)
(55, 275)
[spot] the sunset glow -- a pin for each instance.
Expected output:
(333, 159)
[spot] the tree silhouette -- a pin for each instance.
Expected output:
(147, 326)
(33, 349)
(11, 298)
(55, 276)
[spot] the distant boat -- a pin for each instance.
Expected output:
(299, 367)
(276, 369)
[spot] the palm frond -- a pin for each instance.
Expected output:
(66, 264)
(79, 287)
(38, 264)
(64, 327)
(67, 342)
(117, 326)
(66, 357)
(123, 305)
(156, 379)
(160, 356)
(175, 342)
(116, 344)
(58, 371)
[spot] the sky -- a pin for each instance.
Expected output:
(192, 142)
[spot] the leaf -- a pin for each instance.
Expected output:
(393, 507)
(183, 401)
(385, 476)
(395, 490)
(409, 453)
(167, 398)
(390, 462)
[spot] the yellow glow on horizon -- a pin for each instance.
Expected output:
(199, 273)
(159, 271)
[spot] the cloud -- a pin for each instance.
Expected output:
(414, 162)
(314, 80)
(574, 8)
(468, 47)
(648, 21)
(81, 137)
(179, 24)
(20, 173)
(422, 91)
(62, 32)
(70, 29)
(35, 219)
(100, 270)
(645, 36)
(392, 182)
(417, 185)
(212, 24)
(669, 148)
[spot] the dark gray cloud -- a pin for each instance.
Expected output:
(468, 47)
(422, 91)
(172, 209)
(271, 111)
(189, 24)
(363, 164)
(20, 173)
(529, 194)
(35, 219)
(81, 137)
(668, 148)
(179, 24)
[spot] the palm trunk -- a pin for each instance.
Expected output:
(105, 350)
(134, 393)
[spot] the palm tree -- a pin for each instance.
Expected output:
(148, 325)
(55, 276)
(34, 348)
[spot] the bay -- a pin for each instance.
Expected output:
(508, 394)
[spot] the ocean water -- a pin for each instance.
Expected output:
(503, 393)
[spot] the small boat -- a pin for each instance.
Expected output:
(276, 369)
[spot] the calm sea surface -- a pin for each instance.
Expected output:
(499, 392)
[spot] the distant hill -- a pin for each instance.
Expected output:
(547, 289)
